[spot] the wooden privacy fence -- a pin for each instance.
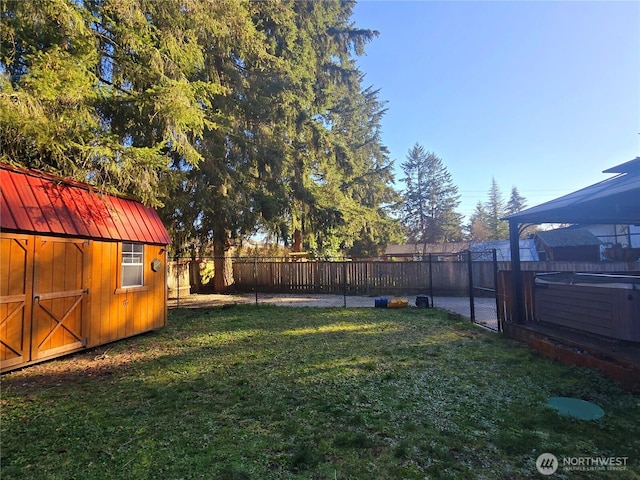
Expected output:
(352, 277)
(180, 276)
(506, 305)
(368, 277)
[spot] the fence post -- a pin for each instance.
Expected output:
(472, 310)
(316, 276)
(255, 276)
(177, 281)
(518, 311)
(366, 278)
(495, 288)
(431, 279)
(344, 281)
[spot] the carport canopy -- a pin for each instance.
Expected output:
(615, 200)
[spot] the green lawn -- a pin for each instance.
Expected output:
(262, 392)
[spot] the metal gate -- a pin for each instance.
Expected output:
(483, 289)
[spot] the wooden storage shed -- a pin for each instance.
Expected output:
(568, 245)
(78, 267)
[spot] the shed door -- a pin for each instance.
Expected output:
(59, 297)
(15, 310)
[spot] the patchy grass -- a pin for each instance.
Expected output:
(285, 393)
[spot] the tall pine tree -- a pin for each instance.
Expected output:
(299, 154)
(102, 90)
(516, 202)
(235, 115)
(498, 229)
(430, 199)
(478, 224)
(485, 222)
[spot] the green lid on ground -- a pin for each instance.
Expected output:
(574, 407)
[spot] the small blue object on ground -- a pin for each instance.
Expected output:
(381, 302)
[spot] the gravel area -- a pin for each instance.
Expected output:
(485, 308)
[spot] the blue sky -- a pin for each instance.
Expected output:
(540, 95)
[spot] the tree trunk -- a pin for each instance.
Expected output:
(297, 241)
(222, 264)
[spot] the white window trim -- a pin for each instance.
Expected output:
(132, 253)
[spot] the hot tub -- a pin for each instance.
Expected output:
(606, 305)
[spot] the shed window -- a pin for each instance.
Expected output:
(132, 265)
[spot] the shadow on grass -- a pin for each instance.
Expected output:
(273, 392)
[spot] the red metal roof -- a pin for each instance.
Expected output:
(35, 202)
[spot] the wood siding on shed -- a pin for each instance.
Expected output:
(117, 313)
(59, 295)
(15, 300)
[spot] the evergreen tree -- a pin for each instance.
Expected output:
(235, 115)
(478, 224)
(340, 172)
(47, 94)
(221, 200)
(356, 179)
(300, 154)
(430, 199)
(372, 224)
(100, 90)
(334, 172)
(516, 202)
(498, 229)
(485, 224)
